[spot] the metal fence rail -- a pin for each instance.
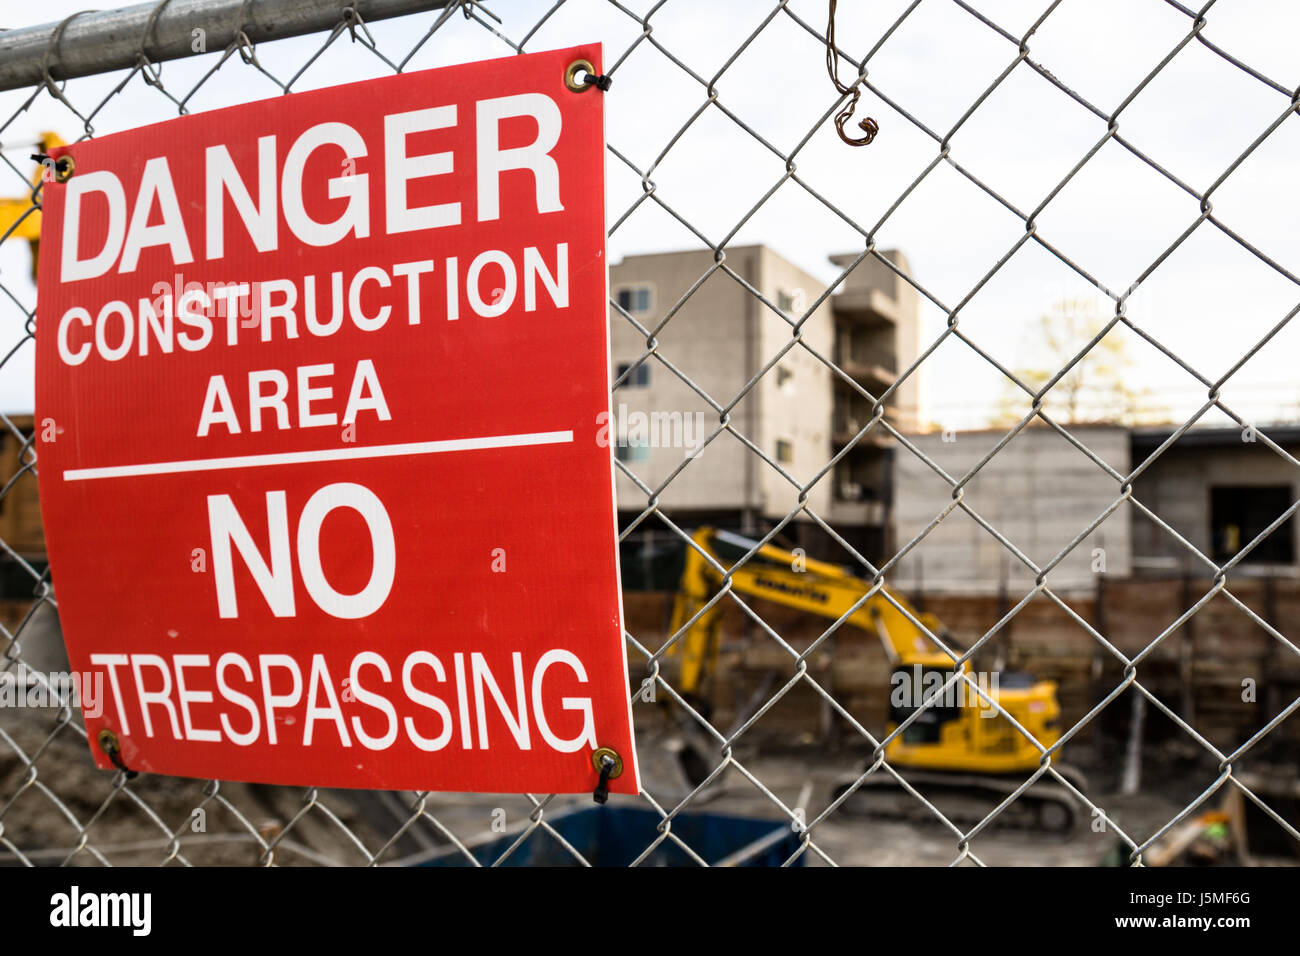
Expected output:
(94, 42)
(98, 818)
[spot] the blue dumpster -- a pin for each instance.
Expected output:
(615, 836)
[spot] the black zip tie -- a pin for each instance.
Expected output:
(610, 765)
(47, 166)
(601, 793)
(108, 743)
(601, 82)
(52, 164)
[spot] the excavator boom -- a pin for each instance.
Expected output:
(797, 581)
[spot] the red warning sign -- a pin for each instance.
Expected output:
(319, 386)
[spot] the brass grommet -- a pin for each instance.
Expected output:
(64, 167)
(598, 757)
(577, 86)
(112, 748)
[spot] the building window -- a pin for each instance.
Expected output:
(631, 451)
(1240, 513)
(635, 299)
(784, 451)
(639, 377)
(791, 301)
(784, 378)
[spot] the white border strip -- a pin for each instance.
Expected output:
(324, 454)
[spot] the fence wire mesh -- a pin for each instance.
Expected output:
(55, 808)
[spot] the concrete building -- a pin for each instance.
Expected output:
(800, 413)
(1218, 488)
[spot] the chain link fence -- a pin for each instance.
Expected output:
(98, 71)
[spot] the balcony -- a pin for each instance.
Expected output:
(874, 376)
(866, 299)
(846, 427)
(866, 307)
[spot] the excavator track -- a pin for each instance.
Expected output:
(966, 799)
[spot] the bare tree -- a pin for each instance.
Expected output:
(1097, 388)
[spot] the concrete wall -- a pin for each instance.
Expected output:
(1039, 491)
(1196, 671)
(1177, 486)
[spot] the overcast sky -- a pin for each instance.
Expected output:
(1209, 302)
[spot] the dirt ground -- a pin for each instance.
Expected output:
(852, 839)
(134, 825)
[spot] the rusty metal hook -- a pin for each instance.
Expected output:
(868, 126)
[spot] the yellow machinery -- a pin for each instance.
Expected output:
(18, 214)
(959, 742)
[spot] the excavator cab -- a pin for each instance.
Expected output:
(927, 727)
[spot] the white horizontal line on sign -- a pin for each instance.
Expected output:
(323, 454)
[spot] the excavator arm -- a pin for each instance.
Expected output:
(951, 734)
(793, 580)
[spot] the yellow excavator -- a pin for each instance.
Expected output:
(959, 745)
(19, 214)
